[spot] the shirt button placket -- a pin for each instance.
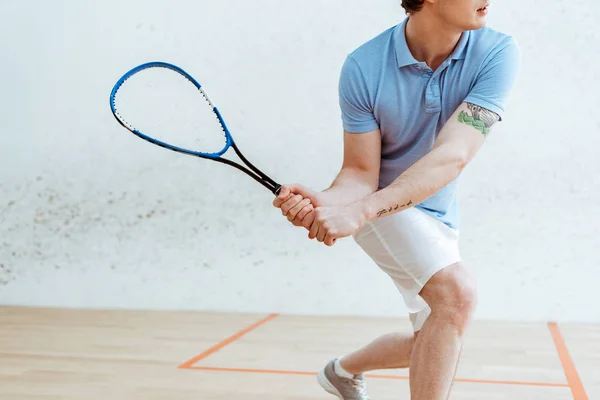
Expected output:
(426, 74)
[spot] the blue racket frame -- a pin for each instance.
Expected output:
(252, 171)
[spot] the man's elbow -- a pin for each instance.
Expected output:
(461, 163)
(368, 176)
(457, 155)
(371, 179)
(459, 150)
(458, 162)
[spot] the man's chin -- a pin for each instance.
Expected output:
(477, 25)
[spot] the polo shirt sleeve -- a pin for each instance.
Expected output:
(357, 111)
(495, 80)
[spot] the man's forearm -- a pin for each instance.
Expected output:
(351, 185)
(421, 181)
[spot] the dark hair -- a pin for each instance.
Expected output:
(412, 6)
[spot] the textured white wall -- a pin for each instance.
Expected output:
(91, 216)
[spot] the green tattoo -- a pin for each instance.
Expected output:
(479, 118)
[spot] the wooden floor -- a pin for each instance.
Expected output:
(83, 354)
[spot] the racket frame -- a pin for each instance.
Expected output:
(251, 170)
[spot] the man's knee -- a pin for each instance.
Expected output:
(452, 290)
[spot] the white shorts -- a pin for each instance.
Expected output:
(410, 246)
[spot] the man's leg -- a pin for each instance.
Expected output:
(451, 294)
(386, 352)
(411, 247)
(433, 354)
(391, 351)
(344, 377)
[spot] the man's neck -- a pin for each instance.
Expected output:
(429, 39)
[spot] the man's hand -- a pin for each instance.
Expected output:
(332, 223)
(296, 202)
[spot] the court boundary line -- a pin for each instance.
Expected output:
(376, 376)
(189, 363)
(572, 379)
(575, 383)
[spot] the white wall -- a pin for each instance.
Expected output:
(91, 216)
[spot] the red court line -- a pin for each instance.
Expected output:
(565, 358)
(375, 376)
(188, 364)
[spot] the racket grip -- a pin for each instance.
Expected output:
(277, 190)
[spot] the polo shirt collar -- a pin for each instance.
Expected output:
(403, 55)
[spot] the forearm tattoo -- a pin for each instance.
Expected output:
(479, 118)
(396, 208)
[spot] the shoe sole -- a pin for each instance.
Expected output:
(325, 384)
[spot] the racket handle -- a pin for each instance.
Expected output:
(277, 190)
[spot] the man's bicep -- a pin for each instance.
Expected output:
(362, 151)
(480, 118)
(465, 132)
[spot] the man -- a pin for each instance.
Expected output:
(417, 103)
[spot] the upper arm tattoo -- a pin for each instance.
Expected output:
(479, 118)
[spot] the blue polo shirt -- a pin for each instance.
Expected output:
(383, 86)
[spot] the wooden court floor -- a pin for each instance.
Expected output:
(96, 354)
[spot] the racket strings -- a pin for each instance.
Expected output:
(116, 108)
(209, 101)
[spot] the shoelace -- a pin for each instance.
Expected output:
(361, 388)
